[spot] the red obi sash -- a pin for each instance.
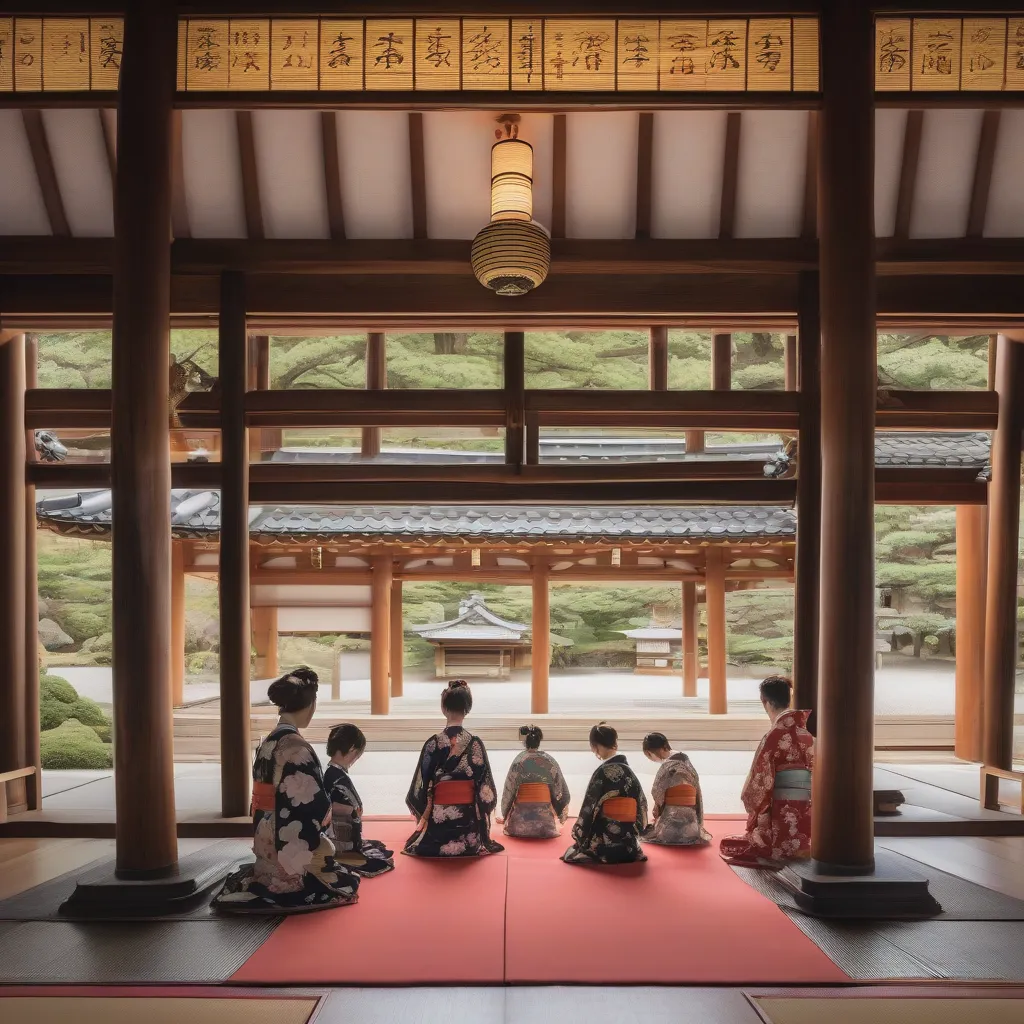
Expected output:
(264, 796)
(620, 808)
(681, 796)
(533, 793)
(455, 791)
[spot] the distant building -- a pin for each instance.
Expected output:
(478, 643)
(659, 649)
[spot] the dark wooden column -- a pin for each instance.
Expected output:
(657, 359)
(721, 362)
(177, 623)
(376, 380)
(33, 786)
(842, 834)
(397, 637)
(235, 617)
(13, 747)
(261, 439)
(807, 585)
(718, 697)
(1001, 591)
(140, 466)
(380, 629)
(792, 364)
(971, 577)
(690, 620)
(514, 379)
(540, 632)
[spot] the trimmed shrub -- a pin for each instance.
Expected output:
(82, 623)
(88, 712)
(73, 745)
(56, 688)
(99, 649)
(53, 713)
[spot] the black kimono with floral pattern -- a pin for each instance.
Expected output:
(601, 840)
(367, 857)
(295, 869)
(452, 830)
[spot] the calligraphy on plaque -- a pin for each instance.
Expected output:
(341, 54)
(684, 56)
(294, 53)
(936, 54)
(28, 54)
(636, 55)
(66, 54)
(1015, 54)
(249, 55)
(770, 55)
(438, 54)
(389, 55)
(983, 58)
(6, 54)
(107, 36)
(579, 55)
(485, 54)
(892, 54)
(206, 67)
(527, 54)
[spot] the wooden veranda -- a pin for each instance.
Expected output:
(841, 198)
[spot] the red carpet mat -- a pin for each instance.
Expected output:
(523, 916)
(682, 918)
(426, 922)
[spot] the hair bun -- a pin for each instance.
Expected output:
(455, 683)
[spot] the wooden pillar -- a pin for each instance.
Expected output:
(235, 624)
(397, 634)
(689, 605)
(721, 362)
(1001, 590)
(177, 623)
(807, 575)
(843, 830)
(261, 439)
(792, 364)
(376, 380)
(514, 379)
(541, 638)
(718, 699)
(33, 786)
(657, 358)
(971, 558)
(13, 745)
(140, 467)
(264, 629)
(380, 629)
(440, 668)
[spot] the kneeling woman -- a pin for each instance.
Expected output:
(535, 799)
(676, 804)
(614, 810)
(452, 793)
(295, 869)
(367, 857)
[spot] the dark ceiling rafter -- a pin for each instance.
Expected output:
(730, 174)
(42, 159)
(418, 176)
(988, 140)
(908, 173)
(644, 173)
(558, 171)
(809, 215)
(332, 174)
(250, 175)
(108, 127)
(180, 226)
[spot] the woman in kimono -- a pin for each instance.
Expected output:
(452, 794)
(777, 793)
(535, 800)
(614, 810)
(367, 857)
(295, 869)
(676, 804)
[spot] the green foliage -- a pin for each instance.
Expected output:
(88, 712)
(81, 623)
(73, 745)
(52, 713)
(445, 360)
(98, 650)
(59, 702)
(933, 362)
(56, 688)
(335, 362)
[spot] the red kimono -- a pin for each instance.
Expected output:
(776, 796)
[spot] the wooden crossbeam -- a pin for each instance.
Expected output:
(908, 172)
(108, 126)
(558, 171)
(983, 164)
(809, 216)
(332, 173)
(730, 174)
(250, 175)
(644, 173)
(42, 159)
(417, 175)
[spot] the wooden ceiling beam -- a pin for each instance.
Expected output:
(558, 172)
(730, 174)
(644, 173)
(250, 175)
(983, 165)
(42, 159)
(908, 173)
(180, 227)
(809, 216)
(108, 127)
(417, 176)
(332, 174)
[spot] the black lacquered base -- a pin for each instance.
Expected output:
(892, 890)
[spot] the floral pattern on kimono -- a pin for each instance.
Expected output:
(601, 840)
(528, 820)
(295, 869)
(776, 829)
(452, 830)
(367, 857)
(673, 825)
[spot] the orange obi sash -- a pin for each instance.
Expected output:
(681, 796)
(455, 792)
(264, 796)
(533, 793)
(620, 808)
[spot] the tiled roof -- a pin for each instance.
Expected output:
(197, 513)
(917, 449)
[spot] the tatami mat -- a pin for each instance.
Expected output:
(906, 1010)
(85, 1009)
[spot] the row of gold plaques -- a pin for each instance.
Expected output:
(60, 54)
(949, 54)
